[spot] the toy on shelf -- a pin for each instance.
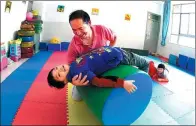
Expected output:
(15, 50)
(25, 25)
(55, 40)
(29, 16)
(4, 60)
(17, 41)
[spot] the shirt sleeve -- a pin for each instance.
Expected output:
(109, 35)
(90, 76)
(71, 53)
(109, 81)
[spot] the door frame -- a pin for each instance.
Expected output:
(148, 12)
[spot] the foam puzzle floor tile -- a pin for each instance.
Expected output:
(159, 90)
(153, 115)
(41, 114)
(188, 119)
(79, 113)
(173, 105)
(42, 92)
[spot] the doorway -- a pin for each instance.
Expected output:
(152, 32)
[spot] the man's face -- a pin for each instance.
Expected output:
(82, 30)
(60, 73)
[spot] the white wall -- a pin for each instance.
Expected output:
(10, 22)
(130, 34)
(171, 48)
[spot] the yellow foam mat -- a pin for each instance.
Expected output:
(79, 113)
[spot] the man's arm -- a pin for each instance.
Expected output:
(71, 52)
(110, 35)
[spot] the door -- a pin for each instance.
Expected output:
(152, 32)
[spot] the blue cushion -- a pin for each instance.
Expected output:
(183, 60)
(191, 65)
(172, 59)
(43, 46)
(54, 47)
(64, 45)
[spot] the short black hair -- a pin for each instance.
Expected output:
(53, 83)
(161, 66)
(79, 14)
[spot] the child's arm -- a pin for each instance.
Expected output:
(163, 79)
(112, 81)
(108, 81)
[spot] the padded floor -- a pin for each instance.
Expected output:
(159, 90)
(15, 87)
(44, 105)
(153, 115)
(49, 114)
(189, 118)
(174, 106)
(79, 113)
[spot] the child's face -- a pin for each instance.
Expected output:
(60, 73)
(160, 70)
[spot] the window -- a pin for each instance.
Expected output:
(183, 25)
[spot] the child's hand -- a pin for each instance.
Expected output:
(129, 86)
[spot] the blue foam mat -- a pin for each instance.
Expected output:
(14, 88)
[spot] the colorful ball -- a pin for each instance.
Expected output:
(29, 16)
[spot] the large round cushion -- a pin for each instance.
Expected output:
(104, 102)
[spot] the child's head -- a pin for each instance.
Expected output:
(161, 68)
(57, 77)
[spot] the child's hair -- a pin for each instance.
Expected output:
(53, 83)
(163, 67)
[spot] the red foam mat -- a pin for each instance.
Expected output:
(41, 92)
(32, 113)
(44, 105)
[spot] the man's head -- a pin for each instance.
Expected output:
(161, 68)
(57, 77)
(80, 23)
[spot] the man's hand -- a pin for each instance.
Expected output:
(129, 86)
(77, 81)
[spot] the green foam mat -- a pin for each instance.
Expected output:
(174, 105)
(95, 97)
(153, 115)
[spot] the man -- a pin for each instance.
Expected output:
(86, 38)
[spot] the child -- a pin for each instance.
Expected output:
(159, 73)
(93, 65)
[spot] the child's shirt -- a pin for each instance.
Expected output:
(96, 62)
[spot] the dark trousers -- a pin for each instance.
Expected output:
(133, 59)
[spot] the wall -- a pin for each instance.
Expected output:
(171, 48)
(10, 22)
(130, 34)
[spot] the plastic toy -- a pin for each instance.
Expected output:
(55, 40)
(29, 16)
